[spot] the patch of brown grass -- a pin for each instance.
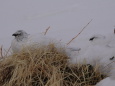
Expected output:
(45, 66)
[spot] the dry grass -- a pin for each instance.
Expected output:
(46, 30)
(79, 32)
(1, 53)
(45, 66)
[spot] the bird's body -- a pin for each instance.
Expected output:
(17, 45)
(101, 51)
(22, 40)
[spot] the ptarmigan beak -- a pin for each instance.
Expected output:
(14, 34)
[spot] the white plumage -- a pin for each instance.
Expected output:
(101, 51)
(23, 39)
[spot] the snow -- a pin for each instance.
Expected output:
(106, 82)
(66, 19)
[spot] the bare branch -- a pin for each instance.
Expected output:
(79, 33)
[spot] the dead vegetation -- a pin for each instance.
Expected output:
(45, 66)
(1, 53)
(79, 32)
(46, 30)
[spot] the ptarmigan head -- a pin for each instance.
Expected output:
(20, 40)
(20, 35)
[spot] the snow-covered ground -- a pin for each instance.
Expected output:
(106, 82)
(66, 19)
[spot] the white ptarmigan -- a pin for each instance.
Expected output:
(23, 39)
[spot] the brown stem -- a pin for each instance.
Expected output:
(47, 30)
(79, 33)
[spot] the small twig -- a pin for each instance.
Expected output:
(1, 53)
(7, 51)
(47, 30)
(108, 64)
(78, 33)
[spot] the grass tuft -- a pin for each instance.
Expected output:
(45, 66)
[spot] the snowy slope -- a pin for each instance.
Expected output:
(106, 82)
(66, 18)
